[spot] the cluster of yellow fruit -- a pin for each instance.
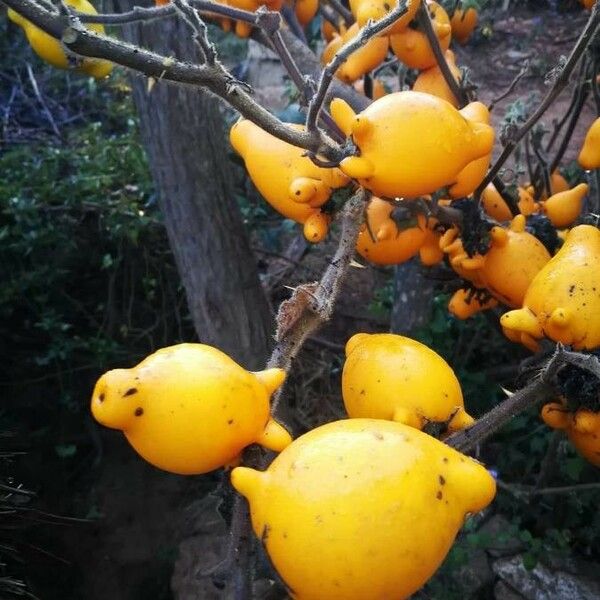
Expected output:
(408, 145)
(360, 483)
(406, 39)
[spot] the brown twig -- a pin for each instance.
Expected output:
(312, 305)
(513, 84)
(424, 20)
(214, 78)
(368, 32)
(560, 82)
(192, 17)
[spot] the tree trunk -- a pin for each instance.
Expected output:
(413, 295)
(187, 145)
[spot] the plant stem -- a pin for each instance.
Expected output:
(424, 19)
(368, 32)
(561, 81)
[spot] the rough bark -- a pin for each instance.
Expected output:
(413, 295)
(187, 145)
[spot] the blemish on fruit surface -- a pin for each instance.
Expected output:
(130, 392)
(139, 411)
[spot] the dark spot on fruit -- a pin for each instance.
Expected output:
(362, 392)
(445, 459)
(571, 289)
(130, 392)
(442, 480)
(439, 495)
(386, 6)
(139, 411)
(297, 192)
(264, 536)
(230, 422)
(101, 397)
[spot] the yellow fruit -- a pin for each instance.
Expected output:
(581, 427)
(467, 267)
(362, 509)
(316, 227)
(379, 90)
(328, 31)
(464, 304)
(432, 81)
(564, 207)
(558, 183)
(50, 49)
(289, 181)
(515, 257)
(392, 377)
(241, 28)
(360, 62)
(410, 144)
(190, 409)
(527, 204)
(412, 47)
(382, 241)
(563, 300)
(463, 23)
(363, 10)
(306, 10)
(494, 204)
(468, 180)
(589, 157)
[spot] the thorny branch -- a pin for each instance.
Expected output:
(371, 30)
(298, 318)
(192, 18)
(215, 78)
(541, 389)
(424, 20)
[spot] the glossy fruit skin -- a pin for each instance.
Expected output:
(328, 31)
(463, 307)
(514, 259)
(468, 180)
(410, 143)
(50, 50)
(432, 81)
(563, 300)
(388, 376)
(190, 409)
(412, 47)
(494, 204)
(582, 428)
(360, 62)
(362, 509)
(363, 10)
(382, 242)
(316, 227)
(589, 157)
(563, 208)
(463, 24)
(290, 182)
(241, 28)
(306, 10)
